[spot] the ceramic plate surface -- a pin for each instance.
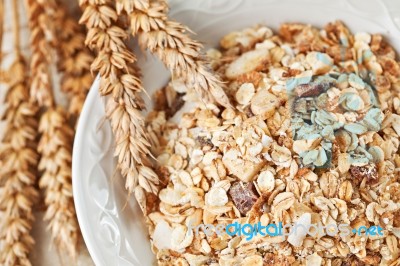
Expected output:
(111, 223)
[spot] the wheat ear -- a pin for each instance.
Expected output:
(169, 40)
(56, 139)
(19, 160)
(120, 80)
(74, 60)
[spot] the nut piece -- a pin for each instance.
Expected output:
(247, 62)
(368, 171)
(244, 196)
(264, 104)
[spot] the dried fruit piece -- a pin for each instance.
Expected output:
(311, 89)
(244, 196)
(368, 171)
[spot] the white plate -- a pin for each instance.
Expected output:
(116, 235)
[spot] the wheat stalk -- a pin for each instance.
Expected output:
(56, 135)
(19, 160)
(55, 148)
(74, 60)
(120, 80)
(17, 174)
(169, 40)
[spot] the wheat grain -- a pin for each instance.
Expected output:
(19, 160)
(120, 80)
(55, 144)
(169, 40)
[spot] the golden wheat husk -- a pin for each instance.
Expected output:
(170, 42)
(55, 144)
(119, 80)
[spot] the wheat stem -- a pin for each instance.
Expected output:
(1, 33)
(55, 144)
(16, 26)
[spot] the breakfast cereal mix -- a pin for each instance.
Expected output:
(312, 139)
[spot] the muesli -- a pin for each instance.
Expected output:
(313, 138)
